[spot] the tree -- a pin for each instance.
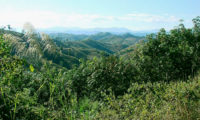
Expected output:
(170, 56)
(196, 22)
(9, 27)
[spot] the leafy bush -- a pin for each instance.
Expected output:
(169, 56)
(96, 76)
(159, 100)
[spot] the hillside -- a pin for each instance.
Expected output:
(67, 36)
(85, 44)
(38, 48)
(115, 42)
(160, 80)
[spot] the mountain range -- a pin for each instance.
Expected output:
(90, 31)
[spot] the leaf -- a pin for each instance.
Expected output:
(31, 68)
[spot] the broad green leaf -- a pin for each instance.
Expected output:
(31, 68)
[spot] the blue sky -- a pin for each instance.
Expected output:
(132, 14)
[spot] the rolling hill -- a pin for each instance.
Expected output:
(65, 50)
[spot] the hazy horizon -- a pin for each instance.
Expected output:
(135, 15)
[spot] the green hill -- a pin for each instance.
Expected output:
(38, 48)
(113, 43)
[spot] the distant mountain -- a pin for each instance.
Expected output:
(67, 36)
(115, 42)
(87, 31)
(118, 42)
(92, 31)
(144, 32)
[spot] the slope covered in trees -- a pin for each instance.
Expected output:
(115, 42)
(159, 80)
(38, 48)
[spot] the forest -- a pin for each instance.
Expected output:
(103, 76)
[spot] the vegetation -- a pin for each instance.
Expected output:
(112, 42)
(156, 79)
(39, 48)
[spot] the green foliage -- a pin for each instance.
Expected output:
(96, 76)
(38, 49)
(25, 94)
(13, 86)
(168, 56)
(159, 100)
(157, 81)
(31, 68)
(107, 42)
(116, 40)
(4, 48)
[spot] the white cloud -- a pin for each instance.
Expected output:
(143, 17)
(45, 19)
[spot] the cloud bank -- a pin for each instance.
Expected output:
(47, 19)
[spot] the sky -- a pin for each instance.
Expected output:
(136, 15)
